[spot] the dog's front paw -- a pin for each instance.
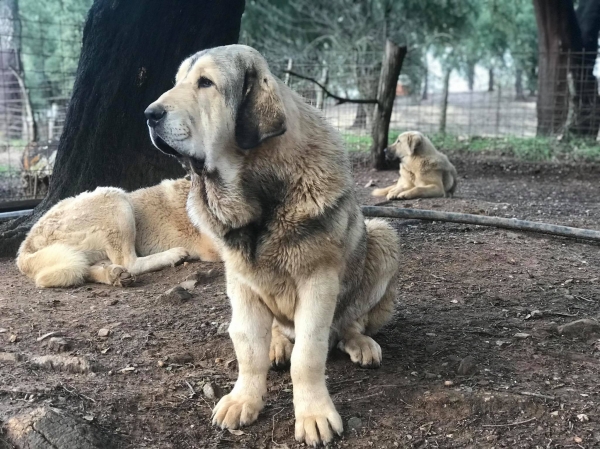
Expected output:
(178, 256)
(363, 350)
(234, 411)
(394, 194)
(280, 352)
(316, 422)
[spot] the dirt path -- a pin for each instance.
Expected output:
(493, 295)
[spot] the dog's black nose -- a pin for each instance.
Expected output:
(155, 114)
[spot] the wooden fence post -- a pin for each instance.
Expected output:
(286, 79)
(386, 94)
(444, 104)
(320, 93)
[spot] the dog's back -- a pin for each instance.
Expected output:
(436, 160)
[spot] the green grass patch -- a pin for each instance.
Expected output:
(4, 170)
(524, 148)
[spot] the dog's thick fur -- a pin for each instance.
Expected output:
(97, 236)
(424, 171)
(272, 184)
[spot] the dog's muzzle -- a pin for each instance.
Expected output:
(389, 155)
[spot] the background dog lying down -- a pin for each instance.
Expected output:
(424, 171)
(109, 236)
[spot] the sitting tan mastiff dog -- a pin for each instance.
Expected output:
(424, 171)
(272, 184)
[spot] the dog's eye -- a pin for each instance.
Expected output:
(204, 82)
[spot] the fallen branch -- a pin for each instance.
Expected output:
(481, 220)
(340, 100)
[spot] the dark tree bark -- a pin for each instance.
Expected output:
(386, 94)
(553, 46)
(519, 94)
(131, 51)
(584, 27)
(490, 80)
(360, 120)
(471, 75)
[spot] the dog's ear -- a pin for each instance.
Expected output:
(260, 114)
(414, 142)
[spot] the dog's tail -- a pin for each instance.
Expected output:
(452, 188)
(382, 192)
(56, 265)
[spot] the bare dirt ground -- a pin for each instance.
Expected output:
(464, 291)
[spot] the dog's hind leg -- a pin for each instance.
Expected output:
(121, 248)
(140, 265)
(105, 272)
(374, 305)
(280, 352)
(428, 191)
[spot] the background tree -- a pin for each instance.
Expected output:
(129, 57)
(351, 33)
(584, 27)
(50, 47)
(568, 41)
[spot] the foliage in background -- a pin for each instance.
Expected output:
(461, 33)
(523, 148)
(51, 33)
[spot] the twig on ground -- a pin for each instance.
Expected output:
(365, 397)
(537, 395)
(192, 391)
(273, 428)
(517, 423)
(75, 393)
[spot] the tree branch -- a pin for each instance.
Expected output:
(340, 100)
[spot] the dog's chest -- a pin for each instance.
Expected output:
(407, 174)
(277, 290)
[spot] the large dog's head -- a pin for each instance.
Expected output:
(407, 144)
(225, 102)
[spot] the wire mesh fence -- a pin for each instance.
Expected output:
(38, 61)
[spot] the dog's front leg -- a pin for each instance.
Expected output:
(316, 415)
(250, 331)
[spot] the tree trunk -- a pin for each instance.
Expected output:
(30, 129)
(13, 124)
(444, 105)
(386, 94)
(519, 94)
(360, 120)
(471, 76)
(130, 53)
(319, 92)
(553, 47)
(424, 95)
(490, 80)
(584, 27)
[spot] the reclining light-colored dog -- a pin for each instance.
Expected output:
(272, 184)
(424, 171)
(109, 236)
